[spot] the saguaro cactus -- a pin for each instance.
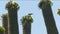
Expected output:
(48, 17)
(12, 8)
(5, 22)
(26, 23)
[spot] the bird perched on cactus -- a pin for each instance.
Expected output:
(26, 23)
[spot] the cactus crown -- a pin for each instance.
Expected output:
(12, 4)
(27, 18)
(5, 15)
(2, 28)
(43, 3)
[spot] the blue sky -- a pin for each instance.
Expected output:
(38, 26)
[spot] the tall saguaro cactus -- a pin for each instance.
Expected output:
(12, 8)
(26, 23)
(48, 17)
(5, 23)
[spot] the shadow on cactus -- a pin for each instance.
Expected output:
(26, 18)
(2, 28)
(12, 4)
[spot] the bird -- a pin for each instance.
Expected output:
(30, 13)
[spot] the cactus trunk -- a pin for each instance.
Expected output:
(49, 19)
(13, 22)
(5, 23)
(27, 28)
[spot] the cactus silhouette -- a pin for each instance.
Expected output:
(26, 23)
(12, 8)
(48, 17)
(5, 22)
